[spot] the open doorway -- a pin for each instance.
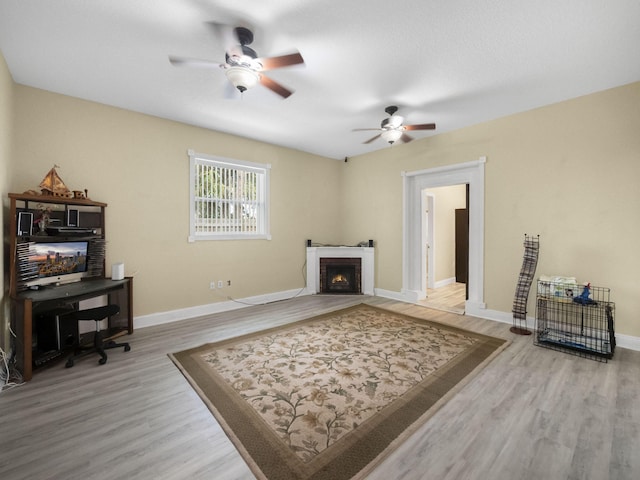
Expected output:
(414, 278)
(445, 252)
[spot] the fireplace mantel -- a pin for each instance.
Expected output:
(314, 254)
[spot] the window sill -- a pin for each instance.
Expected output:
(197, 238)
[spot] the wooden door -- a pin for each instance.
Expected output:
(462, 245)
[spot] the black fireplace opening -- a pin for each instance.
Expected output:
(340, 275)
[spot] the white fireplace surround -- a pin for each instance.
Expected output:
(366, 254)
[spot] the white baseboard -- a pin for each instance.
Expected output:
(407, 296)
(161, 318)
(471, 309)
(445, 282)
(627, 341)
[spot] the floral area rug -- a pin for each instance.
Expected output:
(326, 398)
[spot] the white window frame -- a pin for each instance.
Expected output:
(262, 170)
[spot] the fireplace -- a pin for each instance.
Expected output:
(341, 275)
(365, 278)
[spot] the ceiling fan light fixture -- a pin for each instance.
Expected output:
(242, 78)
(395, 121)
(391, 135)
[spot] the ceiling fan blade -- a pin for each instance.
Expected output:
(405, 138)
(424, 126)
(275, 86)
(373, 139)
(192, 62)
(281, 61)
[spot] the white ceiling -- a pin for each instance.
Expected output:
(452, 62)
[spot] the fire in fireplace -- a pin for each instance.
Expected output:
(341, 275)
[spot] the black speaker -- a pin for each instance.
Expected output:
(72, 217)
(67, 332)
(25, 223)
(371, 243)
(308, 243)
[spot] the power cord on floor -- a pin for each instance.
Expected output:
(304, 277)
(9, 376)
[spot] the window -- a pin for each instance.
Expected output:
(229, 199)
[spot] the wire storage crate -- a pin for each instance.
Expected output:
(577, 320)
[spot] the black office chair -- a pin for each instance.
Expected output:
(99, 344)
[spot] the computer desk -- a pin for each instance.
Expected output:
(64, 299)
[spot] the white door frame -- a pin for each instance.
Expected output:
(413, 268)
(429, 209)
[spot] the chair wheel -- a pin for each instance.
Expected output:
(102, 361)
(69, 364)
(127, 348)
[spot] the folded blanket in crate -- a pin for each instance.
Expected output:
(558, 286)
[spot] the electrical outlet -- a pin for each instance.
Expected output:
(212, 285)
(220, 284)
(228, 283)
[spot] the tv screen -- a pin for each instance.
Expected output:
(58, 262)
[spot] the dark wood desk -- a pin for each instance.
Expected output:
(64, 298)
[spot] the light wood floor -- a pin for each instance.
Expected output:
(532, 413)
(450, 298)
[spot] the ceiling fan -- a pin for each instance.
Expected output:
(242, 66)
(392, 128)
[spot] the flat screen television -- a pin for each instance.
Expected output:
(57, 262)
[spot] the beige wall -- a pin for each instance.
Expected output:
(446, 201)
(139, 165)
(568, 172)
(6, 112)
